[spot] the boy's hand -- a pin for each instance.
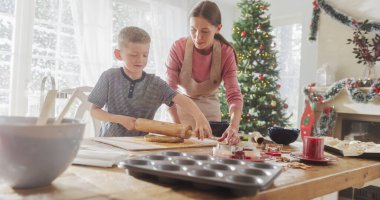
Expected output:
(231, 136)
(202, 128)
(127, 122)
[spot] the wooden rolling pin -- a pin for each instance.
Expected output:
(257, 137)
(163, 128)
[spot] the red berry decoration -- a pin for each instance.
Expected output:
(243, 34)
(261, 77)
(315, 5)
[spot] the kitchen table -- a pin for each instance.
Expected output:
(81, 182)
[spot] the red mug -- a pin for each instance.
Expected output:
(313, 148)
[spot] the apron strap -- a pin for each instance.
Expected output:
(193, 88)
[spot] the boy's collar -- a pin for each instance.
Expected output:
(129, 78)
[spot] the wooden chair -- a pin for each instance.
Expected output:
(81, 94)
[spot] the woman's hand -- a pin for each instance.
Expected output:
(231, 136)
(127, 122)
(202, 128)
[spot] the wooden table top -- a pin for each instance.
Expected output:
(81, 182)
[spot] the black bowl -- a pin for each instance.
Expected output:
(218, 128)
(282, 135)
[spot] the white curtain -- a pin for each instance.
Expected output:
(169, 23)
(93, 28)
(165, 20)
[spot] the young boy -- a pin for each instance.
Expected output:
(128, 93)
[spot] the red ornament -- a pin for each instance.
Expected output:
(278, 86)
(243, 34)
(263, 7)
(261, 77)
(286, 106)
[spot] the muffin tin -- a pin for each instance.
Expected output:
(240, 176)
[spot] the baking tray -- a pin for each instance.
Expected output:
(241, 177)
(334, 150)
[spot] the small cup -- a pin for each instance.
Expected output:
(313, 148)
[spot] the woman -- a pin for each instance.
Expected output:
(199, 63)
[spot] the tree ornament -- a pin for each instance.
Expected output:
(273, 103)
(278, 86)
(286, 106)
(243, 34)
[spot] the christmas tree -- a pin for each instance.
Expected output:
(257, 70)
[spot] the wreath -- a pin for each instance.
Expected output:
(326, 122)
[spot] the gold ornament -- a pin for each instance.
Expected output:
(273, 103)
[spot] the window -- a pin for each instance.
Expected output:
(53, 49)
(132, 14)
(288, 44)
(7, 21)
(171, 15)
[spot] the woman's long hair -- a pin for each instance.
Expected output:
(210, 11)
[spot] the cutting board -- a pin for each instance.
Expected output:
(138, 143)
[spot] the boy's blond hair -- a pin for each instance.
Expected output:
(132, 34)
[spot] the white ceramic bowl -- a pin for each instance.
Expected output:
(33, 156)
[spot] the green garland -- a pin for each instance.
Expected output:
(314, 21)
(344, 19)
(351, 85)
